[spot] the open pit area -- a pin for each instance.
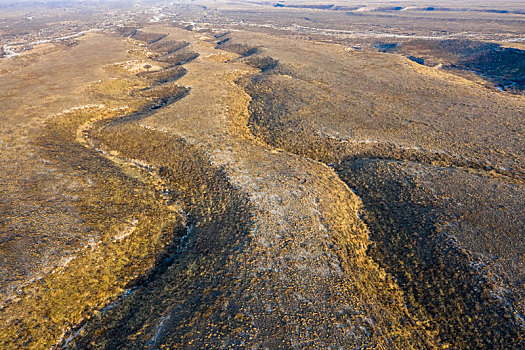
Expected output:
(262, 175)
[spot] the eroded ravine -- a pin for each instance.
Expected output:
(429, 229)
(296, 274)
(233, 242)
(281, 226)
(95, 212)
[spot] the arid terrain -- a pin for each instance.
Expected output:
(262, 175)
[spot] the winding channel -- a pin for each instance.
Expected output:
(277, 245)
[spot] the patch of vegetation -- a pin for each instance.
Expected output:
(112, 87)
(505, 67)
(127, 31)
(148, 38)
(190, 282)
(263, 63)
(115, 203)
(408, 228)
(177, 58)
(293, 113)
(167, 46)
(163, 76)
(163, 94)
(240, 49)
(133, 227)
